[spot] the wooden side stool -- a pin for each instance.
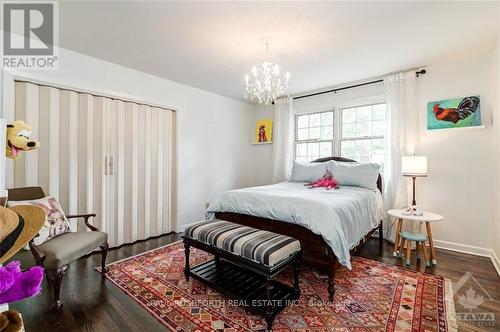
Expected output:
(420, 246)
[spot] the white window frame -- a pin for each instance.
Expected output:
(314, 140)
(357, 138)
(337, 120)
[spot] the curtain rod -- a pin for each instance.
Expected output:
(418, 73)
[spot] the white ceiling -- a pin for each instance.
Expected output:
(210, 45)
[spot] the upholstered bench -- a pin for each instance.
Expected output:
(246, 260)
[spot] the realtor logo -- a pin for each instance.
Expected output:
(30, 31)
(471, 295)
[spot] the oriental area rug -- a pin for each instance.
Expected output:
(373, 296)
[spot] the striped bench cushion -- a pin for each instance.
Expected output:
(264, 247)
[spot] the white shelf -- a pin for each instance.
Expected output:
(261, 143)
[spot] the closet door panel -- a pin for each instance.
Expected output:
(100, 155)
(168, 139)
(21, 104)
(153, 180)
(135, 171)
(125, 149)
(44, 137)
(64, 147)
(99, 178)
(147, 172)
(141, 171)
(159, 169)
(53, 142)
(72, 139)
(119, 219)
(81, 207)
(89, 158)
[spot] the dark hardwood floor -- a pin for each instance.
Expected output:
(93, 304)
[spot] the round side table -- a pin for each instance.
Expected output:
(427, 217)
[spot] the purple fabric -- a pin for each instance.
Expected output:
(16, 285)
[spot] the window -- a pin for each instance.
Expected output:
(354, 132)
(362, 135)
(313, 136)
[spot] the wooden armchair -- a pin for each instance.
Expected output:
(55, 254)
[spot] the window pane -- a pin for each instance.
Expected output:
(364, 113)
(364, 129)
(301, 150)
(313, 149)
(327, 132)
(379, 112)
(302, 121)
(349, 115)
(302, 159)
(315, 120)
(348, 149)
(349, 130)
(378, 128)
(302, 134)
(327, 119)
(314, 133)
(363, 147)
(378, 146)
(325, 149)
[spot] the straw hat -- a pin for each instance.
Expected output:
(18, 225)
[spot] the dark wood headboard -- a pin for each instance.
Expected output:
(347, 160)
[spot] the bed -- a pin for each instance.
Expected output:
(329, 224)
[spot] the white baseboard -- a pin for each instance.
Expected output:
(472, 250)
(463, 248)
(495, 261)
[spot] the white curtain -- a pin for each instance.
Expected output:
(283, 139)
(401, 137)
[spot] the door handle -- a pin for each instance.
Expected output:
(110, 165)
(105, 165)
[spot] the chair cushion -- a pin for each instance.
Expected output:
(260, 246)
(68, 247)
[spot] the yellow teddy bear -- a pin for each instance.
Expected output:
(18, 139)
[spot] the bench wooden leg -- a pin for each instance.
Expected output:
(269, 304)
(296, 273)
(186, 266)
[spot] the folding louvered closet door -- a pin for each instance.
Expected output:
(101, 155)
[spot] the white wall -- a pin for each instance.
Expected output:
(459, 185)
(212, 131)
(496, 153)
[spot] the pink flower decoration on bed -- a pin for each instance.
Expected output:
(328, 181)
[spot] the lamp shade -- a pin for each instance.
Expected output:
(414, 166)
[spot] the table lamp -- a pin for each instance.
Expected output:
(414, 166)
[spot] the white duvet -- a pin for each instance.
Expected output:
(342, 216)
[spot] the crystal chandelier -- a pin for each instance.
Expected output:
(265, 83)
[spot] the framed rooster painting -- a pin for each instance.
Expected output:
(454, 113)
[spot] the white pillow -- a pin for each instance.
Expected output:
(56, 222)
(355, 174)
(309, 172)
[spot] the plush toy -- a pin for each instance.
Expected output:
(16, 285)
(328, 181)
(11, 321)
(18, 139)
